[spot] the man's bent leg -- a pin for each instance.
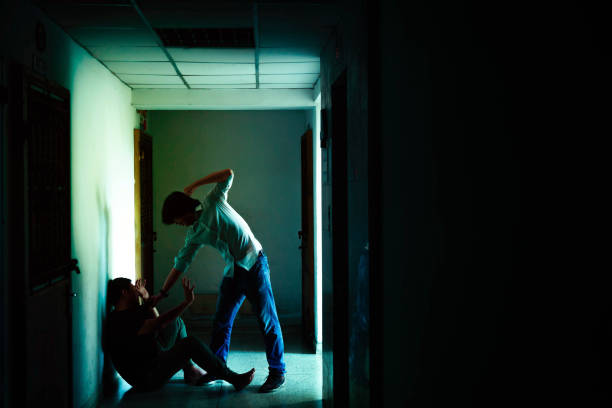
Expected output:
(259, 293)
(168, 336)
(174, 359)
(174, 331)
(229, 301)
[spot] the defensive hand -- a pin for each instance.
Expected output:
(140, 287)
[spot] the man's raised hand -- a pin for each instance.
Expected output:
(140, 287)
(188, 288)
(189, 190)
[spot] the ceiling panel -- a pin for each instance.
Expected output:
(219, 80)
(288, 79)
(150, 79)
(195, 68)
(238, 55)
(223, 86)
(287, 86)
(153, 68)
(314, 14)
(294, 25)
(87, 14)
(304, 54)
(287, 36)
(184, 14)
(128, 53)
(290, 68)
(158, 86)
(113, 37)
(291, 36)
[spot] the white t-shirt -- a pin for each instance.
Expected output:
(221, 227)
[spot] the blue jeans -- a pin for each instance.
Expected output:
(255, 285)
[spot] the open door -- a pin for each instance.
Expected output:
(143, 206)
(307, 247)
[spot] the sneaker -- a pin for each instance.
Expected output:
(273, 382)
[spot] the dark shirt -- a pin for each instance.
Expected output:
(132, 354)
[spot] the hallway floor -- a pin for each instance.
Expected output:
(302, 388)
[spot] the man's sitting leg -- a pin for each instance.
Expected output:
(167, 338)
(169, 362)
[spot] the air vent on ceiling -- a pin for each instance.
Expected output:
(207, 37)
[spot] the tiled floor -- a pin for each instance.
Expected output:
(302, 388)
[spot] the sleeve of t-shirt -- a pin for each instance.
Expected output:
(219, 192)
(185, 256)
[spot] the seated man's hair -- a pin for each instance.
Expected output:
(115, 287)
(176, 205)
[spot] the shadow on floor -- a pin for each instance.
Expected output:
(246, 336)
(308, 404)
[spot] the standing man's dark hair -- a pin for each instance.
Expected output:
(176, 205)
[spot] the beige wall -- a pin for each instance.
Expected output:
(263, 148)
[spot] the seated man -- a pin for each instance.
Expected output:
(147, 349)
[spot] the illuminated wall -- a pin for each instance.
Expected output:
(102, 122)
(102, 202)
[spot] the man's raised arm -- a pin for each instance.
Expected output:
(215, 177)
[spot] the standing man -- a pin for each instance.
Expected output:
(215, 223)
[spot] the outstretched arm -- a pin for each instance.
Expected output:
(157, 323)
(170, 281)
(215, 177)
(144, 295)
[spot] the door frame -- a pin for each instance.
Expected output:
(307, 233)
(137, 226)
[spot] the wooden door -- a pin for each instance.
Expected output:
(143, 201)
(307, 247)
